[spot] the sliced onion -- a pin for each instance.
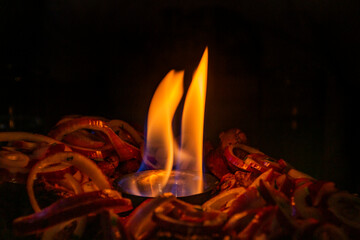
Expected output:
(13, 159)
(240, 220)
(297, 174)
(275, 197)
(223, 200)
(140, 224)
(16, 136)
(319, 190)
(329, 231)
(50, 233)
(303, 208)
(262, 219)
(55, 172)
(73, 183)
(69, 208)
(179, 216)
(265, 176)
(345, 207)
(81, 162)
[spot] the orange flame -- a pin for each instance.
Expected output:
(160, 143)
(192, 125)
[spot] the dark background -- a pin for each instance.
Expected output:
(282, 71)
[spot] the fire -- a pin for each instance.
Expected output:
(161, 148)
(160, 142)
(192, 125)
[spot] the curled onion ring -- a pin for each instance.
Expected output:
(116, 125)
(140, 224)
(69, 208)
(16, 136)
(13, 159)
(81, 162)
(80, 221)
(186, 218)
(125, 150)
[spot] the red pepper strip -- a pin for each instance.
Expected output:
(69, 208)
(233, 160)
(125, 150)
(243, 162)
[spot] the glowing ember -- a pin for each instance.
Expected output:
(161, 148)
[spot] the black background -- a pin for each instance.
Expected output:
(284, 72)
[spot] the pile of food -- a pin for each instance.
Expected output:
(63, 186)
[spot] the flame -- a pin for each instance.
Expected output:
(160, 144)
(159, 140)
(192, 125)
